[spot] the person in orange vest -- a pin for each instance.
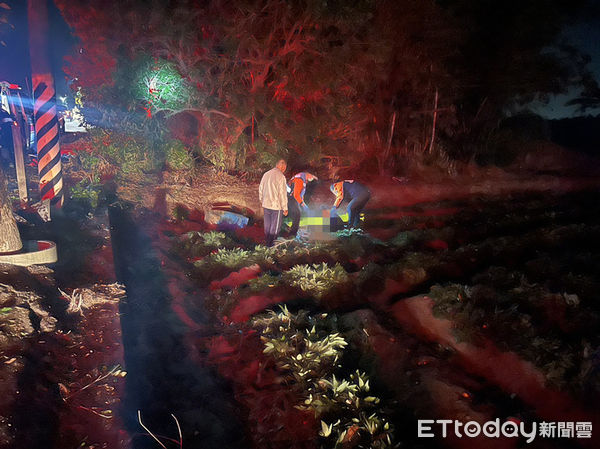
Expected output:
(358, 195)
(296, 204)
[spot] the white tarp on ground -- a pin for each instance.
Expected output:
(73, 126)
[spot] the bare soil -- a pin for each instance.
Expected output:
(60, 349)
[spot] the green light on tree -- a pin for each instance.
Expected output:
(162, 87)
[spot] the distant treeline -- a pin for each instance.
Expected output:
(579, 133)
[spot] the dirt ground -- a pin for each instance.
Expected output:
(63, 349)
(209, 188)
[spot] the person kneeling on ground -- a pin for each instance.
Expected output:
(296, 202)
(272, 194)
(358, 195)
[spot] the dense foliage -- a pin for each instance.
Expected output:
(307, 350)
(106, 154)
(244, 82)
(513, 283)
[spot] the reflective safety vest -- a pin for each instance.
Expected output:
(338, 190)
(298, 186)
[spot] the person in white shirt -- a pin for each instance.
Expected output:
(272, 194)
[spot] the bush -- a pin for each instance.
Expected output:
(216, 155)
(500, 315)
(86, 191)
(353, 243)
(298, 254)
(106, 154)
(177, 156)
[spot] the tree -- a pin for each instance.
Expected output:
(589, 98)
(10, 239)
(363, 79)
(308, 77)
(511, 53)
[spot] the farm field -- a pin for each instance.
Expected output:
(475, 309)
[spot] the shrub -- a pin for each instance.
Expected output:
(105, 154)
(265, 256)
(353, 243)
(86, 191)
(481, 311)
(216, 155)
(177, 156)
(214, 239)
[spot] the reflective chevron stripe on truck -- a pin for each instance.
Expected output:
(48, 149)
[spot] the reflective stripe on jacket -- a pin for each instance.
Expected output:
(352, 189)
(298, 185)
(338, 190)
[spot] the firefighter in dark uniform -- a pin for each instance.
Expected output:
(358, 195)
(296, 204)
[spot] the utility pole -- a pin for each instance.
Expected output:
(44, 96)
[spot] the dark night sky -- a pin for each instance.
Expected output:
(586, 37)
(14, 58)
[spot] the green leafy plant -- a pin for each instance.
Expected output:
(199, 244)
(404, 239)
(265, 256)
(353, 243)
(85, 191)
(348, 232)
(264, 282)
(105, 154)
(216, 155)
(178, 157)
(231, 258)
(316, 279)
(351, 411)
(222, 256)
(214, 239)
(308, 351)
(161, 86)
(480, 311)
(297, 253)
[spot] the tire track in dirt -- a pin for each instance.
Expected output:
(162, 379)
